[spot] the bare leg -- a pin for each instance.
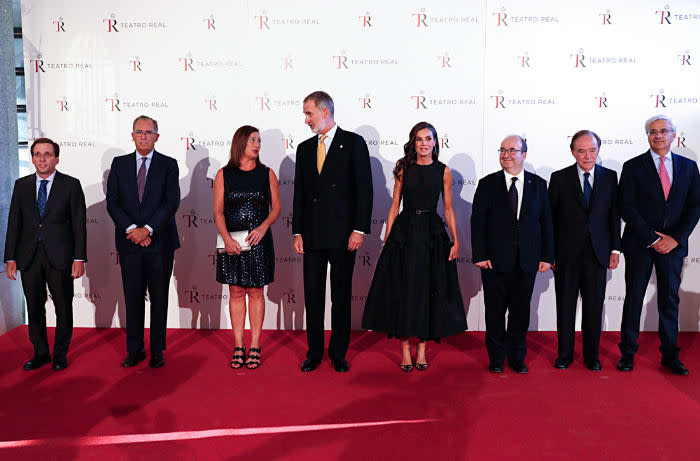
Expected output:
(420, 353)
(256, 308)
(406, 352)
(236, 308)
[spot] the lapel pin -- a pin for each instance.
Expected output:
(341, 146)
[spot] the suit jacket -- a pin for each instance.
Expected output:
(330, 205)
(495, 229)
(574, 222)
(642, 204)
(62, 228)
(161, 198)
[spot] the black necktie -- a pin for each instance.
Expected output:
(587, 191)
(513, 196)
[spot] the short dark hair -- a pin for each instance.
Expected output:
(322, 100)
(145, 117)
(584, 133)
(56, 149)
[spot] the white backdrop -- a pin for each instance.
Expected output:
(477, 70)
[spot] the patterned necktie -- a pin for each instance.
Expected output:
(320, 153)
(587, 191)
(663, 176)
(42, 197)
(513, 195)
(141, 178)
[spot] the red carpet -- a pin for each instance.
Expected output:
(197, 408)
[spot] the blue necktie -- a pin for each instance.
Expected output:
(587, 191)
(41, 198)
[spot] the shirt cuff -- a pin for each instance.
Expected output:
(359, 232)
(150, 229)
(133, 226)
(78, 260)
(654, 242)
(616, 252)
(294, 235)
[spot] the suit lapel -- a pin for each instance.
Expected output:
(677, 178)
(527, 192)
(130, 176)
(56, 188)
(575, 183)
(152, 171)
(32, 192)
(598, 184)
(653, 174)
(335, 149)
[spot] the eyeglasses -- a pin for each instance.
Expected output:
(147, 133)
(43, 155)
(510, 151)
(663, 132)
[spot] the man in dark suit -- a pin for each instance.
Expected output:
(143, 195)
(46, 241)
(332, 212)
(586, 222)
(511, 241)
(660, 203)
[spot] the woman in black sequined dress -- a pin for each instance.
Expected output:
(246, 197)
(415, 291)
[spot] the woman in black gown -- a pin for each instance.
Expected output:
(246, 197)
(415, 291)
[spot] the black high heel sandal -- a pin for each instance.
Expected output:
(407, 368)
(421, 366)
(237, 361)
(253, 359)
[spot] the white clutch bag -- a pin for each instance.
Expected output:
(238, 236)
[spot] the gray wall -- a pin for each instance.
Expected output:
(11, 300)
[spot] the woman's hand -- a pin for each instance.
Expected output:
(257, 234)
(454, 252)
(232, 247)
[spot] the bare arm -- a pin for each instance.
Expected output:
(232, 247)
(395, 202)
(449, 212)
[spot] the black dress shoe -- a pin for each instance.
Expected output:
(309, 365)
(626, 363)
(341, 366)
(676, 366)
(157, 360)
(562, 363)
(59, 362)
(133, 358)
(496, 367)
(37, 361)
(594, 365)
(518, 366)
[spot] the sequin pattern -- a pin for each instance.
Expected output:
(246, 205)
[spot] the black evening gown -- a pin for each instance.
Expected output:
(415, 291)
(246, 205)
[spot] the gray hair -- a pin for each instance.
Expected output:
(322, 100)
(648, 123)
(145, 117)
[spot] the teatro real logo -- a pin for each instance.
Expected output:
(445, 61)
(505, 19)
(524, 60)
(666, 17)
(500, 101)
(267, 21)
(193, 219)
(209, 22)
(136, 64)
(602, 101)
(288, 143)
(62, 104)
(365, 102)
(112, 24)
(39, 64)
(287, 63)
(684, 58)
(421, 102)
(268, 103)
(117, 103)
(60, 25)
(421, 19)
(189, 63)
(365, 19)
(191, 142)
(659, 99)
(606, 18)
(211, 103)
(581, 61)
(680, 139)
(343, 62)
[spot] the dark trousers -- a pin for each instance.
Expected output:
(140, 272)
(342, 264)
(587, 277)
(638, 265)
(507, 292)
(60, 282)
